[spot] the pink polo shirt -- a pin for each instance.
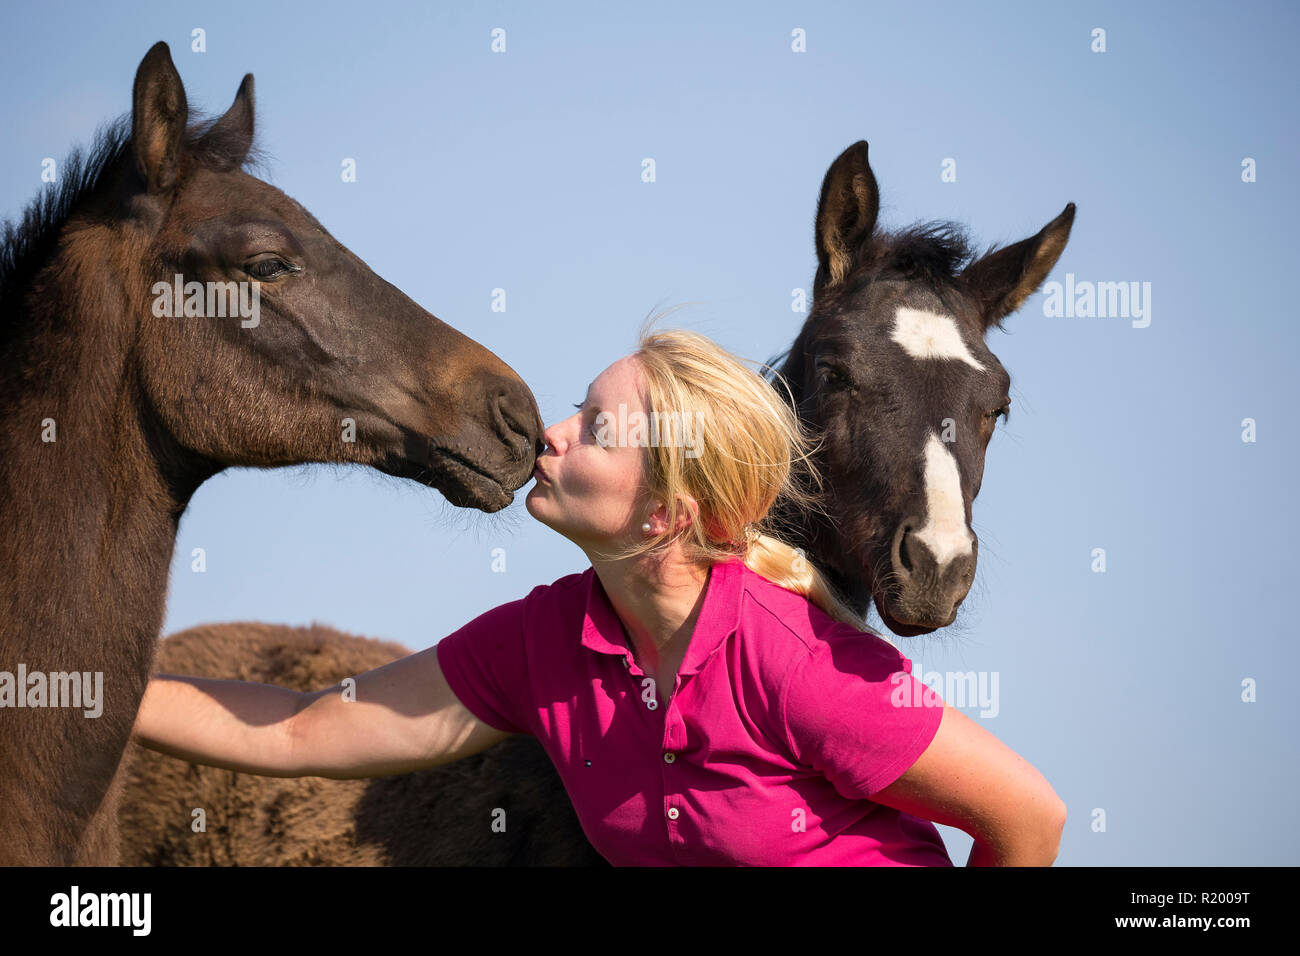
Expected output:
(782, 723)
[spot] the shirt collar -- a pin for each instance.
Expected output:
(602, 631)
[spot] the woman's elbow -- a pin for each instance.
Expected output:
(1053, 827)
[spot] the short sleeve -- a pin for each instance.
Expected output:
(486, 667)
(853, 711)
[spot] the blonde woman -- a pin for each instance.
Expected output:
(704, 696)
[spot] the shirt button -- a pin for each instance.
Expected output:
(672, 813)
(669, 757)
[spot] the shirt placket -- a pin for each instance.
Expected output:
(672, 736)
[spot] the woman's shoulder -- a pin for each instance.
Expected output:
(568, 591)
(567, 584)
(797, 621)
(794, 656)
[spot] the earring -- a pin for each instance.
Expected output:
(646, 527)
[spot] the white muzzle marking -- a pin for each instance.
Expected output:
(945, 532)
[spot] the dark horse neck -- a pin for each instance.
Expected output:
(812, 533)
(90, 523)
(824, 547)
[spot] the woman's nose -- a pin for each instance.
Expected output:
(551, 437)
(555, 435)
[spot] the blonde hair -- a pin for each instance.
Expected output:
(734, 445)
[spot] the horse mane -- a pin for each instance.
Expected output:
(28, 241)
(933, 252)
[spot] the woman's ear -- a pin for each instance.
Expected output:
(689, 513)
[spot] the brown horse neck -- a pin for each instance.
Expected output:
(90, 522)
(82, 460)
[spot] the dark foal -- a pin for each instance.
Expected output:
(892, 368)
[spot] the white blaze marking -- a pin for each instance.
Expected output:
(928, 335)
(945, 532)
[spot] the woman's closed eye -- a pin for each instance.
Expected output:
(590, 431)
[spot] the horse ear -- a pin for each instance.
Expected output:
(158, 117)
(1002, 280)
(846, 213)
(229, 139)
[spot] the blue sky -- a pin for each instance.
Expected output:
(522, 171)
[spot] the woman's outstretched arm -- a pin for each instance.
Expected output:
(397, 718)
(233, 724)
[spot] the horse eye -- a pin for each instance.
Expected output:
(268, 268)
(830, 375)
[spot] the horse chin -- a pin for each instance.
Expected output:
(466, 487)
(902, 630)
(461, 483)
(885, 606)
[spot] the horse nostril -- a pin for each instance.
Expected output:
(511, 414)
(902, 549)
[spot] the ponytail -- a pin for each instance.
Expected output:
(787, 567)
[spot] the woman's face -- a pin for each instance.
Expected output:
(593, 484)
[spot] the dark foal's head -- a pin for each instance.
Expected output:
(891, 366)
(336, 366)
